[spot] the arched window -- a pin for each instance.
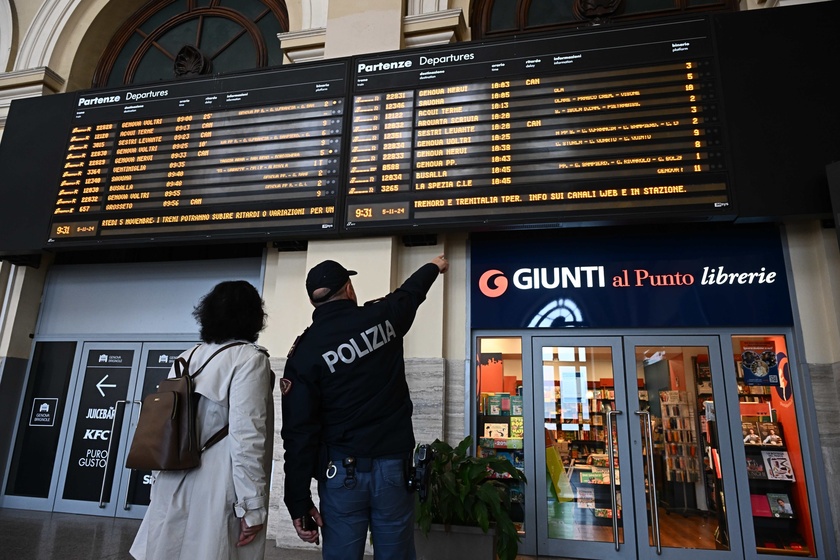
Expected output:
(168, 39)
(499, 18)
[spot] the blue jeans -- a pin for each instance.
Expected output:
(380, 500)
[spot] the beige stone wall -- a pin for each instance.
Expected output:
(815, 262)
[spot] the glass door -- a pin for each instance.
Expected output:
(111, 382)
(105, 378)
(580, 393)
(635, 464)
(681, 461)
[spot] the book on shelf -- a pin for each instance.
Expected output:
(585, 498)
(505, 404)
(495, 430)
(496, 404)
(672, 397)
(598, 460)
(770, 434)
(516, 405)
(755, 469)
(716, 462)
(750, 433)
(780, 505)
(595, 476)
(605, 513)
(760, 505)
(504, 454)
(517, 426)
(778, 465)
(709, 410)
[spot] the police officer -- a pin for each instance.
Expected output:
(347, 416)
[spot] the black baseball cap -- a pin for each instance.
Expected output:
(327, 274)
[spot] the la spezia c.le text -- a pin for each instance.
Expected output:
(493, 283)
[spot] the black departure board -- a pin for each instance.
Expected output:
(617, 121)
(254, 154)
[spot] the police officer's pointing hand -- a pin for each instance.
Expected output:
(442, 263)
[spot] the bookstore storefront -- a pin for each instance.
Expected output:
(647, 385)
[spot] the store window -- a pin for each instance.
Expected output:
(500, 427)
(644, 449)
(781, 514)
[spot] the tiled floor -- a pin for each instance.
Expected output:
(32, 535)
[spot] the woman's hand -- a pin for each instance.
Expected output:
(247, 534)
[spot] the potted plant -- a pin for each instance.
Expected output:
(466, 490)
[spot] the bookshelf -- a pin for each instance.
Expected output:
(705, 414)
(502, 435)
(680, 437)
(681, 457)
(771, 479)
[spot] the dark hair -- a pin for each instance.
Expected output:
(231, 310)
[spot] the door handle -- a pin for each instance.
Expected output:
(108, 462)
(611, 458)
(126, 505)
(653, 500)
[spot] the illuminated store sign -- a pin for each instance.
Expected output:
(629, 280)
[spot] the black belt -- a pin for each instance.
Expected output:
(365, 464)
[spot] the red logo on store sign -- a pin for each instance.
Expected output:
(493, 283)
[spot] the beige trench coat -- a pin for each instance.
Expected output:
(195, 514)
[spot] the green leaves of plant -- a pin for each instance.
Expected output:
(466, 490)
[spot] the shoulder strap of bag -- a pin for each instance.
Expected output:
(216, 438)
(220, 435)
(213, 355)
(182, 365)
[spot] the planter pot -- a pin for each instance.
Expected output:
(455, 542)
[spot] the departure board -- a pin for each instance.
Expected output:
(254, 154)
(613, 122)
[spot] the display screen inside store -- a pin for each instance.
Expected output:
(621, 121)
(257, 153)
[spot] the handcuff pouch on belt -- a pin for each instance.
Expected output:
(350, 466)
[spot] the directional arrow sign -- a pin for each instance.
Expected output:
(103, 384)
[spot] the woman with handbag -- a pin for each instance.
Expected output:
(219, 509)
